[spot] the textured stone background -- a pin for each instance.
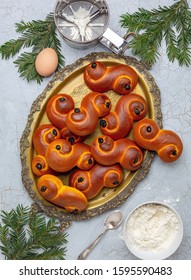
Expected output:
(169, 183)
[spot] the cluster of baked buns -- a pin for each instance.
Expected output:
(60, 146)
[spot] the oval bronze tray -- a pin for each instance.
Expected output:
(70, 80)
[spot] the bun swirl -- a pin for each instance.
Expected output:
(148, 135)
(129, 108)
(40, 166)
(120, 78)
(91, 182)
(106, 151)
(43, 136)
(52, 189)
(58, 107)
(62, 156)
(83, 121)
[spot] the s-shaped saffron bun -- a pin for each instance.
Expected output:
(148, 135)
(51, 188)
(43, 136)
(106, 151)
(129, 108)
(120, 78)
(83, 121)
(91, 182)
(57, 108)
(61, 156)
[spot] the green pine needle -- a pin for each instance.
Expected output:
(26, 66)
(38, 34)
(172, 23)
(26, 236)
(12, 47)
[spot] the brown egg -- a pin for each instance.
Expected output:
(46, 62)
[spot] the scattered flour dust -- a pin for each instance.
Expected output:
(152, 227)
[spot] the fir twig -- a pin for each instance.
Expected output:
(172, 23)
(26, 65)
(38, 34)
(26, 237)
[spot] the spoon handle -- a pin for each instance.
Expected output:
(88, 250)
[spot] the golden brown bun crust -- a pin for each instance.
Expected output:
(106, 151)
(62, 156)
(52, 189)
(70, 136)
(129, 108)
(40, 166)
(91, 182)
(166, 143)
(58, 107)
(83, 121)
(120, 78)
(43, 136)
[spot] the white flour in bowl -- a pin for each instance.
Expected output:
(151, 227)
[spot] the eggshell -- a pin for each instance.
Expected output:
(46, 62)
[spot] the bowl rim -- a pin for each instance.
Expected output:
(148, 255)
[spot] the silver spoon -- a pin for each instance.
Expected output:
(111, 222)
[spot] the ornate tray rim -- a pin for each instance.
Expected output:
(36, 106)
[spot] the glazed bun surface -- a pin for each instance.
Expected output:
(43, 136)
(120, 78)
(58, 107)
(84, 120)
(129, 108)
(51, 188)
(91, 182)
(148, 135)
(61, 156)
(106, 151)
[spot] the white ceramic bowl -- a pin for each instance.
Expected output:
(153, 231)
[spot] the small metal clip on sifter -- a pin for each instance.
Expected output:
(83, 24)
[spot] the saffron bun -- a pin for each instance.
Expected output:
(57, 108)
(52, 189)
(148, 135)
(61, 156)
(120, 78)
(43, 136)
(126, 152)
(91, 182)
(84, 120)
(129, 108)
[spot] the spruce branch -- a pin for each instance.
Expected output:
(26, 66)
(37, 34)
(172, 23)
(30, 237)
